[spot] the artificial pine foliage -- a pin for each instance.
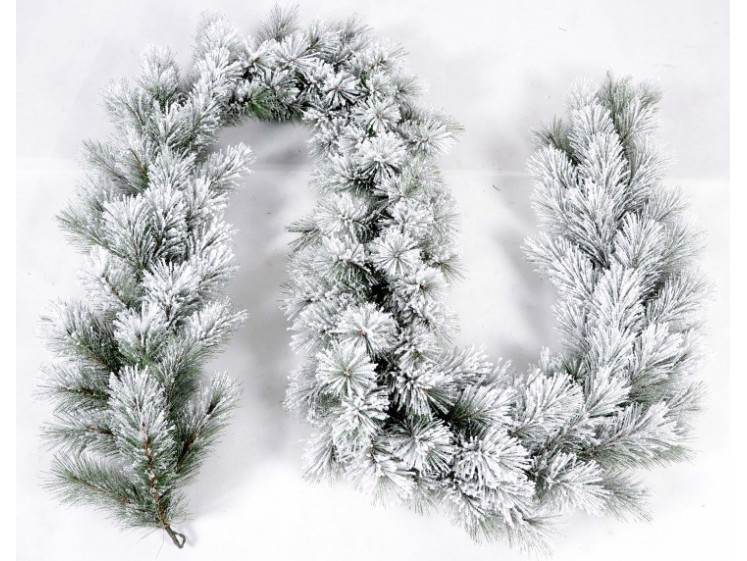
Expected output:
(133, 416)
(396, 409)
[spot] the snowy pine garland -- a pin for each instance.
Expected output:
(396, 409)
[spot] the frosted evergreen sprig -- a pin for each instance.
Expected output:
(134, 418)
(396, 409)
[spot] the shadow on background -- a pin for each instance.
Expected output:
(270, 197)
(532, 296)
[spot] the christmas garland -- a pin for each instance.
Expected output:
(396, 409)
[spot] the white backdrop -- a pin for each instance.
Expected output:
(501, 68)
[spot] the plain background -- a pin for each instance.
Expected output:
(501, 68)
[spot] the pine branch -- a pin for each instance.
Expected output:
(133, 420)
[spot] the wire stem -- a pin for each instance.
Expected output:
(176, 537)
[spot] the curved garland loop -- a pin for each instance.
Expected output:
(396, 409)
